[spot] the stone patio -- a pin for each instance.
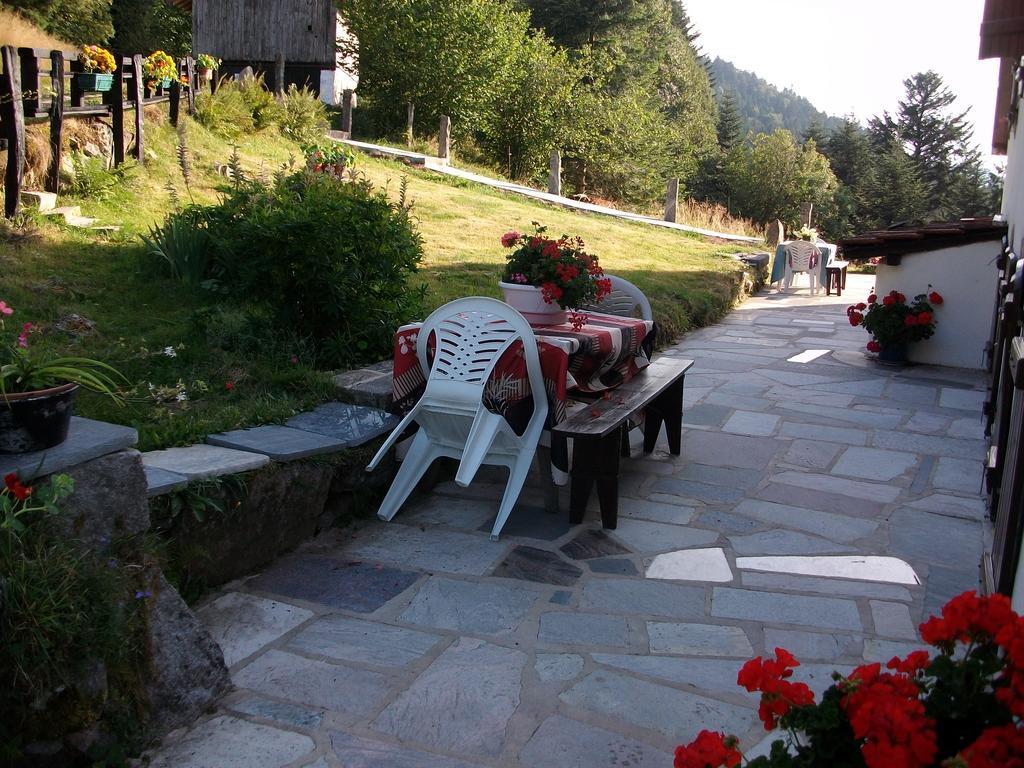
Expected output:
(822, 503)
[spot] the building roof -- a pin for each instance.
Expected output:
(917, 238)
(185, 5)
(1002, 29)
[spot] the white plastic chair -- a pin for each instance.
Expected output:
(799, 255)
(471, 334)
(623, 300)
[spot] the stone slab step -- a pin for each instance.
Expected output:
(160, 481)
(279, 443)
(352, 425)
(42, 201)
(203, 462)
(87, 440)
(370, 386)
(64, 211)
(79, 221)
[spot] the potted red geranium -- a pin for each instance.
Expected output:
(959, 705)
(894, 323)
(544, 277)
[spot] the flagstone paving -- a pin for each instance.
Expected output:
(821, 503)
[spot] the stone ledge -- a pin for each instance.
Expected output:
(353, 425)
(160, 481)
(366, 386)
(87, 440)
(202, 462)
(279, 443)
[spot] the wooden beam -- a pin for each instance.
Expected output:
(193, 84)
(136, 93)
(279, 75)
(14, 119)
(31, 82)
(114, 98)
(56, 121)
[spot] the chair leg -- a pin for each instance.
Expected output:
(417, 461)
(516, 478)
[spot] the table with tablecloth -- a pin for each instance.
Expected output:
(589, 361)
(828, 255)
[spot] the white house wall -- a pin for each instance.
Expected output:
(966, 277)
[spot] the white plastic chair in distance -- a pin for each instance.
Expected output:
(799, 255)
(623, 300)
(471, 334)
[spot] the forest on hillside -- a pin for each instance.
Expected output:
(622, 89)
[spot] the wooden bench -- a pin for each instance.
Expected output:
(835, 277)
(656, 391)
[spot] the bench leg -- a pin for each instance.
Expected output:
(596, 462)
(667, 409)
(828, 283)
(844, 278)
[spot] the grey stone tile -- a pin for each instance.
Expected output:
(923, 475)
(813, 454)
(826, 586)
(841, 528)
(200, 462)
(708, 564)
(917, 394)
(674, 713)
(935, 539)
(937, 445)
(242, 624)
(279, 443)
(592, 543)
(583, 629)
(561, 597)
(727, 523)
(227, 742)
(659, 512)
(774, 608)
(946, 583)
(346, 639)
(893, 620)
(353, 586)
(462, 702)
(790, 378)
(468, 514)
(962, 475)
(561, 742)
(874, 463)
(732, 399)
(833, 414)
(963, 399)
(288, 714)
(349, 691)
(929, 424)
(650, 538)
(551, 667)
(160, 481)
(865, 387)
(698, 639)
(954, 506)
(714, 676)
(877, 649)
(488, 608)
(615, 566)
(751, 423)
(841, 435)
(727, 476)
(723, 450)
(530, 521)
(693, 490)
(706, 415)
(970, 428)
(87, 440)
(351, 425)
(819, 499)
(643, 598)
(781, 542)
(808, 645)
(837, 485)
(433, 549)
(538, 565)
(360, 752)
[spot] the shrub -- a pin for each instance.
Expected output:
(181, 244)
(93, 179)
(264, 108)
(332, 260)
(304, 118)
(225, 113)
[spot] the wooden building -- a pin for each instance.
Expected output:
(255, 32)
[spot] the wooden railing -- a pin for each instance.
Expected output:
(39, 85)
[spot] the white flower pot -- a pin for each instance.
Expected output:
(529, 302)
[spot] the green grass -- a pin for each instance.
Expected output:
(54, 271)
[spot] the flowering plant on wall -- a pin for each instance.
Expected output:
(959, 705)
(892, 321)
(565, 273)
(96, 59)
(158, 66)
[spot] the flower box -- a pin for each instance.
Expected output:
(96, 82)
(529, 302)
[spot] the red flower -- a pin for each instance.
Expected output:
(910, 320)
(900, 297)
(1001, 747)
(935, 297)
(874, 346)
(510, 238)
(551, 250)
(914, 663)
(862, 305)
(15, 486)
(709, 750)
(778, 696)
(872, 298)
(229, 385)
(889, 300)
(924, 318)
(550, 292)
(856, 318)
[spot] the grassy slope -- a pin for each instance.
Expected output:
(138, 313)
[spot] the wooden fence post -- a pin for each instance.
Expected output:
(555, 173)
(348, 98)
(14, 119)
(672, 200)
(279, 75)
(410, 115)
(77, 95)
(174, 102)
(140, 151)
(31, 85)
(56, 121)
(193, 83)
(115, 98)
(806, 209)
(444, 138)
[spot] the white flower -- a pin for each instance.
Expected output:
(181, 397)
(169, 352)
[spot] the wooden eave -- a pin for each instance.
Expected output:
(920, 239)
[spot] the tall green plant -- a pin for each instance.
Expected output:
(181, 245)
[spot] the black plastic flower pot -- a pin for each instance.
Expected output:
(35, 421)
(893, 353)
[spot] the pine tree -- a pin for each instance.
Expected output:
(895, 192)
(730, 122)
(814, 132)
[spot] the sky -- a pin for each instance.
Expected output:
(852, 56)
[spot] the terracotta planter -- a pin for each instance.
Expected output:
(205, 73)
(527, 299)
(35, 421)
